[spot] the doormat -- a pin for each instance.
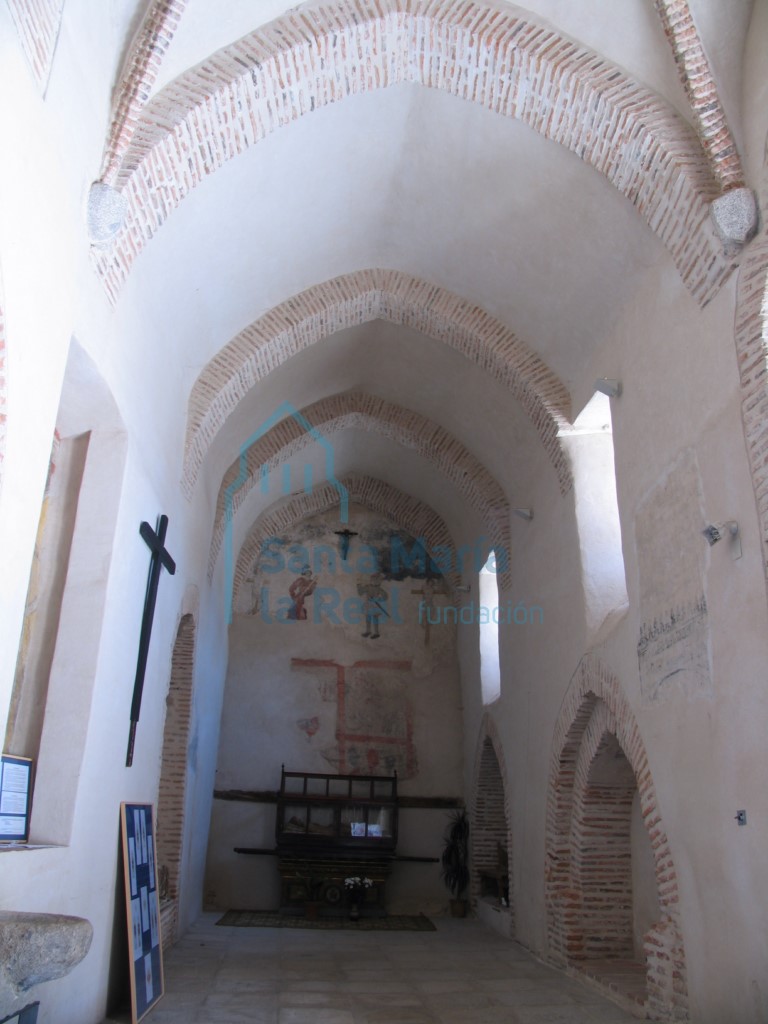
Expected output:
(271, 919)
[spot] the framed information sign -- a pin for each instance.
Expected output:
(15, 791)
(143, 907)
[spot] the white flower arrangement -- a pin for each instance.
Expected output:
(356, 883)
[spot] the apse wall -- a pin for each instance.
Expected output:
(337, 664)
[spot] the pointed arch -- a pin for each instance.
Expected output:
(594, 706)
(410, 514)
(173, 776)
(370, 413)
(359, 298)
(491, 835)
(499, 58)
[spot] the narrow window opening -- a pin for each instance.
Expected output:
(490, 668)
(590, 444)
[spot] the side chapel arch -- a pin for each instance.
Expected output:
(171, 799)
(596, 718)
(491, 834)
(410, 514)
(358, 298)
(370, 413)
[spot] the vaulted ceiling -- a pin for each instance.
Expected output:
(417, 222)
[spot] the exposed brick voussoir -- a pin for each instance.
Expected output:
(355, 299)
(497, 59)
(368, 412)
(588, 847)
(410, 514)
(38, 25)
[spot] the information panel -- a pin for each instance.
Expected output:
(142, 904)
(15, 790)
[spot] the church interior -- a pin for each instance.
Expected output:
(383, 444)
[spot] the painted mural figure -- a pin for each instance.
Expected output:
(374, 605)
(301, 588)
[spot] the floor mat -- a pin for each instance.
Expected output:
(271, 919)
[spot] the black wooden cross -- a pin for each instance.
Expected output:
(345, 536)
(160, 559)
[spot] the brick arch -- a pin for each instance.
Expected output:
(601, 848)
(140, 70)
(699, 82)
(751, 336)
(359, 298)
(410, 514)
(595, 705)
(490, 812)
(495, 57)
(368, 412)
(173, 773)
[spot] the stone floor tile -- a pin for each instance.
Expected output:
(397, 1016)
(314, 1015)
(463, 973)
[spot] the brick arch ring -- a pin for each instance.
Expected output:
(496, 57)
(359, 298)
(355, 409)
(489, 734)
(751, 337)
(409, 513)
(595, 705)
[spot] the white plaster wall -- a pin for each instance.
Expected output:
(52, 151)
(645, 897)
(706, 752)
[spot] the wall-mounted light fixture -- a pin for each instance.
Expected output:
(524, 513)
(715, 532)
(608, 386)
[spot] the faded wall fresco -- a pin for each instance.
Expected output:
(673, 646)
(334, 666)
(332, 650)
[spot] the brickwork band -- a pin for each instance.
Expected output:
(173, 773)
(37, 23)
(490, 831)
(516, 67)
(588, 850)
(357, 298)
(368, 412)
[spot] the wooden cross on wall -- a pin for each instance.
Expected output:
(160, 560)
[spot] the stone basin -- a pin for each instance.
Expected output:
(35, 948)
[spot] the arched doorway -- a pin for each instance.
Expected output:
(173, 777)
(490, 835)
(611, 893)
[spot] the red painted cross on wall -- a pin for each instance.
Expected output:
(374, 718)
